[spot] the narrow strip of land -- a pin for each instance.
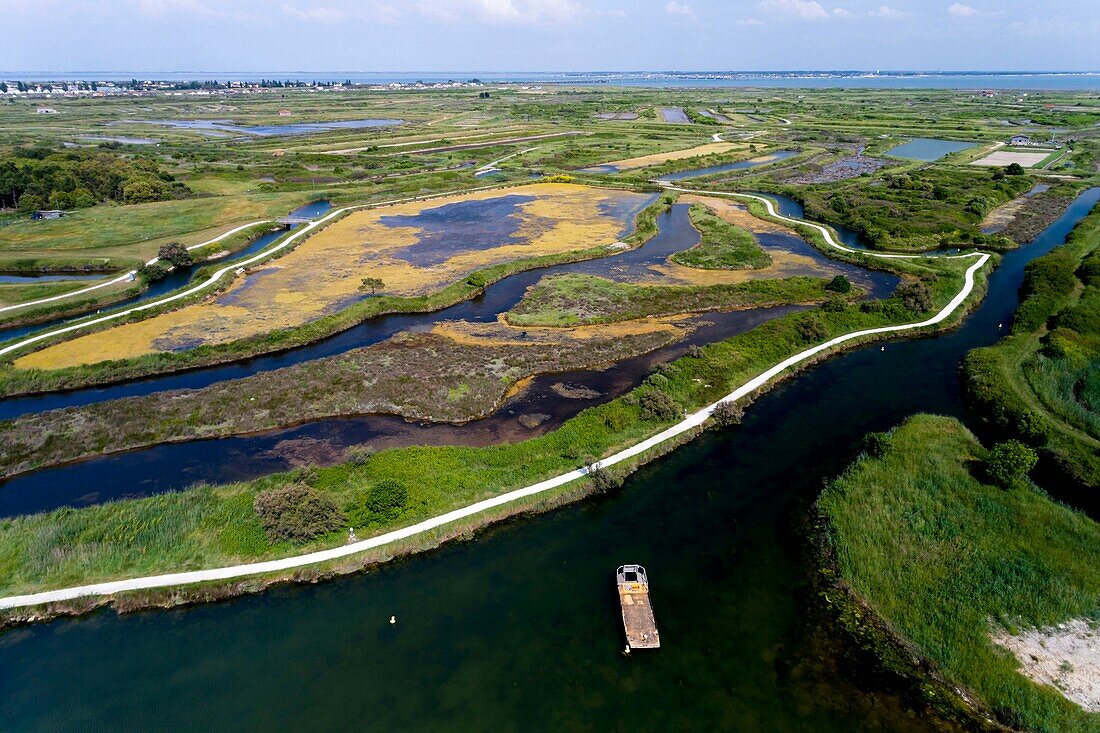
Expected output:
(691, 422)
(130, 274)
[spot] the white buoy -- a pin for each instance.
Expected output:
(393, 619)
(882, 348)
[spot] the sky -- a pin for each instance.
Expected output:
(548, 35)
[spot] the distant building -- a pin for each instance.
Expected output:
(284, 113)
(45, 111)
(49, 214)
(1021, 140)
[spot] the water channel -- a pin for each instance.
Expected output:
(517, 631)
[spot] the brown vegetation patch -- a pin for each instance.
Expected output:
(419, 376)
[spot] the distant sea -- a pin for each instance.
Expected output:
(790, 79)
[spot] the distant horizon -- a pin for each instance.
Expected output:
(456, 70)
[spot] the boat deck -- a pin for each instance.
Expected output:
(638, 621)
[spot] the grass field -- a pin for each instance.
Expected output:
(723, 246)
(948, 560)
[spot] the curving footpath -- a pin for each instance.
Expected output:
(690, 422)
(233, 267)
(128, 275)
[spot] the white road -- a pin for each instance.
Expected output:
(126, 275)
(690, 422)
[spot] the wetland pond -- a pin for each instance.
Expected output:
(927, 149)
(477, 645)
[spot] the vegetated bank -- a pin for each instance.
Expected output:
(722, 246)
(218, 526)
(15, 381)
(915, 209)
(577, 299)
(924, 559)
(1041, 383)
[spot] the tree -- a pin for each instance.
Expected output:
(1014, 169)
(296, 513)
(839, 284)
(152, 273)
(1007, 464)
(373, 284)
(176, 254)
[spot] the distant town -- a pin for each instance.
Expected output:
(59, 89)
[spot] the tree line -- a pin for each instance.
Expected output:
(42, 178)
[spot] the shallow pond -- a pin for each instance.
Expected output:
(674, 114)
(298, 128)
(926, 148)
(519, 630)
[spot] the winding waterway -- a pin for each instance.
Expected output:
(169, 467)
(518, 630)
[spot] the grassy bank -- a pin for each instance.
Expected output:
(722, 245)
(1041, 382)
(206, 527)
(14, 381)
(945, 559)
(573, 299)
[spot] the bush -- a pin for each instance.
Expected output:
(382, 502)
(839, 284)
(875, 444)
(603, 480)
(658, 405)
(152, 273)
(728, 414)
(811, 330)
(1007, 464)
(176, 254)
(916, 297)
(1014, 169)
(296, 513)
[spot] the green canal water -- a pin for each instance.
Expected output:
(517, 629)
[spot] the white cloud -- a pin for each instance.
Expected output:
(681, 9)
(885, 11)
(519, 12)
(324, 14)
(882, 11)
(802, 9)
(962, 11)
(750, 21)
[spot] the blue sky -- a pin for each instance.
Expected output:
(543, 35)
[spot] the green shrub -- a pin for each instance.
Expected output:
(811, 329)
(602, 480)
(1007, 464)
(916, 297)
(296, 513)
(727, 414)
(839, 284)
(656, 404)
(175, 254)
(152, 273)
(381, 502)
